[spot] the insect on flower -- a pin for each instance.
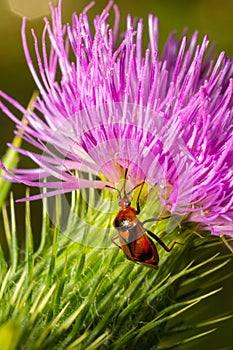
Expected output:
(134, 238)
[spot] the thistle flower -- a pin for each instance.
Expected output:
(105, 106)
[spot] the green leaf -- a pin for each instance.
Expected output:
(9, 335)
(67, 295)
(11, 158)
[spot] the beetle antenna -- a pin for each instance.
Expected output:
(138, 185)
(116, 189)
(124, 187)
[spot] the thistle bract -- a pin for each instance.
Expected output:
(105, 105)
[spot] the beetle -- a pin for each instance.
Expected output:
(135, 240)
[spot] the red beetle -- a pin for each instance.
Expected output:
(134, 238)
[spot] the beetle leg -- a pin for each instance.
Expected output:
(155, 267)
(153, 235)
(155, 219)
(113, 239)
(138, 198)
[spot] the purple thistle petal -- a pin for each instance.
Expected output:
(168, 119)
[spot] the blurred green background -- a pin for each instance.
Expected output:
(212, 17)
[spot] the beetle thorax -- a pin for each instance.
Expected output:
(126, 219)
